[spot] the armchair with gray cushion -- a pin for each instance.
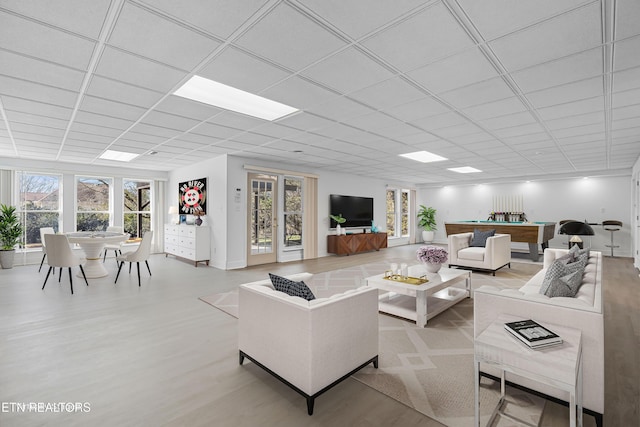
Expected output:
(495, 254)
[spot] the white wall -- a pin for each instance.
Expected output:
(594, 199)
(215, 170)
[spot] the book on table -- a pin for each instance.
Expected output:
(532, 333)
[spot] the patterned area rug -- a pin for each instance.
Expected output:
(429, 369)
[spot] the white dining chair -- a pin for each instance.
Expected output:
(43, 231)
(115, 247)
(141, 254)
(59, 254)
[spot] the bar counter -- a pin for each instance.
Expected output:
(533, 233)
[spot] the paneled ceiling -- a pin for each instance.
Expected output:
(517, 89)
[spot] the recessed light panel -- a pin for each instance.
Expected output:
(120, 156)
(423, 156)
(465, 169)
(229, 98)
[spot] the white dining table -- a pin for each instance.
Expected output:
(92, 243)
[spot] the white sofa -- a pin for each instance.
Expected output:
(309, 345)
(495, 255)
(583, 312)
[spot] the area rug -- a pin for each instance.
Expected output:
(429, 369)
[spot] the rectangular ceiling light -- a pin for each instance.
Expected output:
(120, 156)
(423, 156)
(465, 169)
(229, 98)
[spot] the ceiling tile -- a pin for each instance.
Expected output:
(184, 107)
(360, 17)
(42, 72)
(573, 108)
(455, 71)
(149, 35)
(434, 24)
(625, 80)
(76, 53)
(579, 30)
(219, 17)
(627, 18)
(298, 93)
(243, 71)
(91, 104)
(419, 109)
(347, 71)
(626, 54)
(498, 108)
(137, 71)
(573, 91)
(494, 18)
(122, 92)
(339, 108)
(388, 94)
(478, 93)
(289, 38)
(566, 70)
(36, 92)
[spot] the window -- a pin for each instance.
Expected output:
(39, 204)
(137, 207)
(93, 203)
(398, 221)
(391, 212)
(292, 212)
(404, 214)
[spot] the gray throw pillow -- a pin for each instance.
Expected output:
(566, 286)
(290, 287)
(558, 269)
(480, 237)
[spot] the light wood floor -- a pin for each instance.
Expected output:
(158, 356)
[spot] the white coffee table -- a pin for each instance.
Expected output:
(422, 302)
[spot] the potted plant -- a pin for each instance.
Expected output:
(427, 220)
(339, 219)
(10, 233)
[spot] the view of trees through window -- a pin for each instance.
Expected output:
(398, 221)
(292, 212)
(137, 207)
(39, 204)
(93, 203)
(391, 212)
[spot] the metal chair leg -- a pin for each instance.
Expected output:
(146, 262)
(47, 278)
(119, 268)
(70, 281)
(42, 262)
(83, 275)
(138, 265)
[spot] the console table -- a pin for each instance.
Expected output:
(348, 244)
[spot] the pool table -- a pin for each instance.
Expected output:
(533, 233)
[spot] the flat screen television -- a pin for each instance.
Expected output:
(358, 211)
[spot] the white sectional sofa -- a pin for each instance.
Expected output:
(583, 312)
(309, 345)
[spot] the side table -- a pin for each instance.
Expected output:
(558, 366)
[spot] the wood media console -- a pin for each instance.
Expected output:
(348, 244)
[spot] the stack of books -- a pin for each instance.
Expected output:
(532, 333)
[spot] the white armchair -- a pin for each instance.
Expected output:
(495, 255)
(308, 345)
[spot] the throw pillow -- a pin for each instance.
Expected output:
(566, 286)
(480, 237)
(290, 287)
(558, 269)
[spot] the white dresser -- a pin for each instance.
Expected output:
(188, 241)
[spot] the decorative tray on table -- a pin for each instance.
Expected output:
(405, 279)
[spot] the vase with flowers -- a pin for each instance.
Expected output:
(432, 257)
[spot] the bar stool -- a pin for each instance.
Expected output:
(612, 226)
